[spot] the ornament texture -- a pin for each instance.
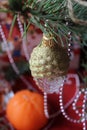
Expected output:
(49, 64)
(50, 86)
(49, 60)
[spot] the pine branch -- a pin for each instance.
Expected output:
(52, 13)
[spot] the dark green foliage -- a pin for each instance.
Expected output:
(23, 67)
(15, 5)
(51, 15)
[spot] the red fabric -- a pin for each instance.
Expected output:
(15, 31)
(60, 123)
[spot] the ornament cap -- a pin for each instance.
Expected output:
(48, 40)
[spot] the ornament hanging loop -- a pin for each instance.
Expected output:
(48, 37)
(48, 40)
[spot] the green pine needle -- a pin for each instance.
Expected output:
(12, 26)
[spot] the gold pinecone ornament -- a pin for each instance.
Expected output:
(49, 62)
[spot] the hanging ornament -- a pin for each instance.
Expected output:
(49, 64)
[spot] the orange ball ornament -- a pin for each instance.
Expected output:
(25, 111)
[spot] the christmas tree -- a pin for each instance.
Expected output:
(61, 22)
